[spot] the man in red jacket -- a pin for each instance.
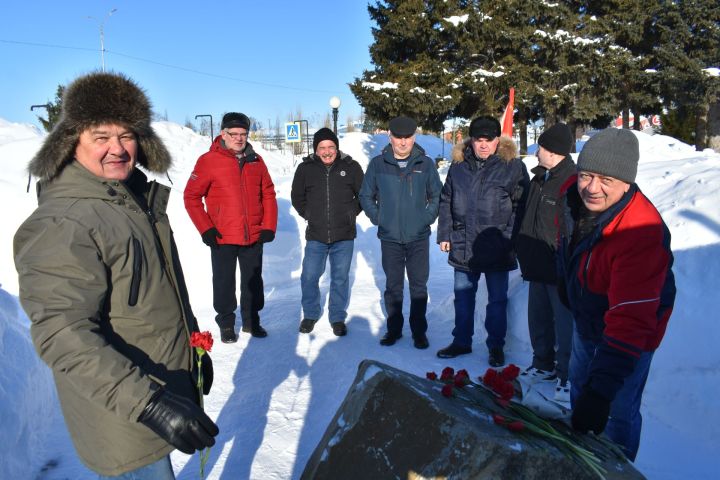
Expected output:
(239, 216)
(616, 274)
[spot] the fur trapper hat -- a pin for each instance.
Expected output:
(506, 149)
(95, 99)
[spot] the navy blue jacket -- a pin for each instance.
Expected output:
(479, 208)
(402, 202)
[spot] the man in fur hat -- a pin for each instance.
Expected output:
(238, 216)
(480, 204)
(101, 281)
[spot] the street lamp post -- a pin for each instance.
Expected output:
(212, 137)
(335, 104)
(102, 35)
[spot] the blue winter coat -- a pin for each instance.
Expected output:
(402, 202)
(480, 209)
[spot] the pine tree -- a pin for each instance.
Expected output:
(688, 35)
(411, 75)
(53, 110)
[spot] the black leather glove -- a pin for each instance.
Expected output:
(207, 372)
(590, 412)
(179, 422)
(210, 236)
(266, 236)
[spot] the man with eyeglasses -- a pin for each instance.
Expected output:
(238, 217)
(616, 277)
(400, 195)
(325, 193)
(480, 208)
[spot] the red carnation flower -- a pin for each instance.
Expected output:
(499, 419)
(490, 377)
(431, 376)
(202, 340)
(516, 426)
(447, 390)
(510, 372)
(506, 391)
(447, 374)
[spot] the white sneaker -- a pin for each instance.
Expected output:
(562, 391)
(534, 375)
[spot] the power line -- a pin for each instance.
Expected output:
(167, 65)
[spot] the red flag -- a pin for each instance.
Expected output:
(507, 118)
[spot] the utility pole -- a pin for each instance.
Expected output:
(101, 23)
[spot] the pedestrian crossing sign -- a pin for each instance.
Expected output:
(292, 133)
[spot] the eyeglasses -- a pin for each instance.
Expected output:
(235, 136)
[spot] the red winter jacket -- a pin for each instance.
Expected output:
(619, 285)
(239, 195)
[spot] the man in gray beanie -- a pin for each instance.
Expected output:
(616, 277)
(101, 282)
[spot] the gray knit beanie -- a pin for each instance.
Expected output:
(612, 152)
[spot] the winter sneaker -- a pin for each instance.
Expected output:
(228, 335)
(339, 329)
(389, 339)
(497, 357)
(533, 375)
(420, 341)
(562, 391)
(307, 325)
(452, 351)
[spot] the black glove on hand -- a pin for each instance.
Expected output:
(179, 422)
(266, 236)
(590, 412)
(210, 236)
(207, 371)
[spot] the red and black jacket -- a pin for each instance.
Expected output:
(238, 192)
(619, 284)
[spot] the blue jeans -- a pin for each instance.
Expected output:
(160, 470)
(397, 258)
(625, 422)
(466, 285)
(316, 255)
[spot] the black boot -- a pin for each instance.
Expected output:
(228, 335)
(254, 327)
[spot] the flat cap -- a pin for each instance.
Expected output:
(402, 126)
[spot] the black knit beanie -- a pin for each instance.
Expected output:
(325, 134)
(613, 152)
(557, 139)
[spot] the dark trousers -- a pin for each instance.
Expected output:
(397, 258)
(252, 297)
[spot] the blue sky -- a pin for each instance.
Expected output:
(265, 59)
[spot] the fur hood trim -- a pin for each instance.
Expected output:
(506, 150)
(95, 99)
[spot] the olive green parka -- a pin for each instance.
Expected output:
(101, 282)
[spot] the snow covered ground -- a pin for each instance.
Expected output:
(274, 397)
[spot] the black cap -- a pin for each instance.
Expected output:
(402, 126)
(557, 139)
(235, 120)
(485, 126)
(325, 134)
